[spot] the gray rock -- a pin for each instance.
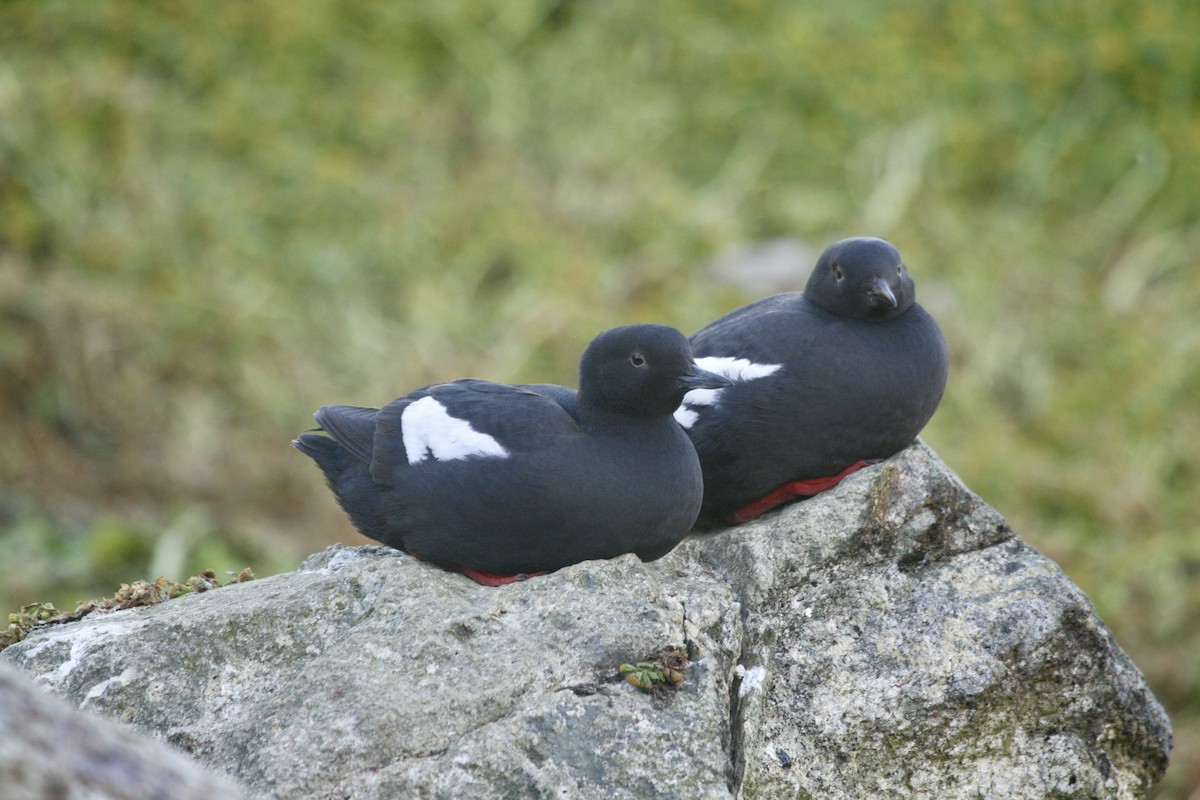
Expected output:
(50, 749)
(890, 637)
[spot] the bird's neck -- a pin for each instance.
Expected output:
(599, 420)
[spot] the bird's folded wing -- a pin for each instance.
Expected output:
(465, 419)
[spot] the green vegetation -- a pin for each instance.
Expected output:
(215, 216)
(665, 669)
(138, 593)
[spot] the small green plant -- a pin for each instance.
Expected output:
(643, 675)
(664, 669)
(20, 623)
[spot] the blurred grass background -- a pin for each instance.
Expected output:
(216, 216)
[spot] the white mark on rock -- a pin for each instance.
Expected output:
(735, 369)
(430, 431)
(127, 674)
(752, 681)
(81, 639)
(343, 557)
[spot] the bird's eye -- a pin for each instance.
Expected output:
(637, 360)
(900, 270)
(837, 272)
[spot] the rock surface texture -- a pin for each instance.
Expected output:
(891, 637)
(50, 749)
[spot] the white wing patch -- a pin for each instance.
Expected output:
(430, 432)
(736, 369)
(702, 397)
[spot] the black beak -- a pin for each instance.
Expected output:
(698, 378)
(880, 289)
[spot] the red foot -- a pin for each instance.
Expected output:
(788, 491)
(488, 579)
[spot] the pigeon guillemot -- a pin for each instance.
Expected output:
(501, 482)
(825, 381)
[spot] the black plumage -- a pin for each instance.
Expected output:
(849, 371)
(497, 480)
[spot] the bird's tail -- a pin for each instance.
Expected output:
(349, 479)
(329, 455)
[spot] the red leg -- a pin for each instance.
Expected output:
(793, 489)
(488, 579)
